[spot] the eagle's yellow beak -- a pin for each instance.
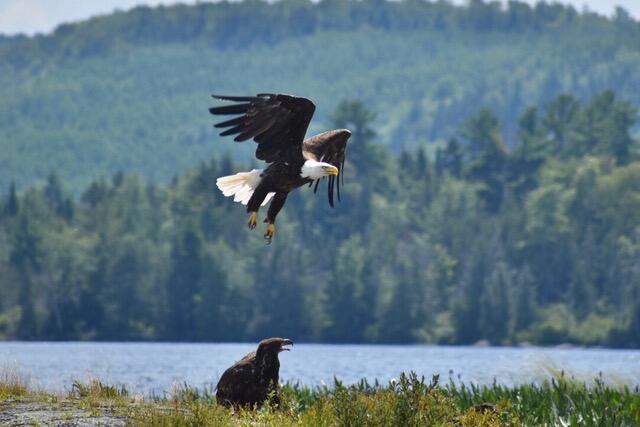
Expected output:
(333, 170)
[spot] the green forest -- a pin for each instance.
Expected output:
(536, 241)
(129, 92)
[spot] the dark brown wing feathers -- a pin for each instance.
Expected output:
(329, 147)
(250, 381)
(235, 385)
(277, 122)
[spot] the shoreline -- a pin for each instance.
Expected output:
(411, 400)
(477, 345)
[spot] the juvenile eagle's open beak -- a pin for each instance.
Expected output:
(333, 170)
(285, 342)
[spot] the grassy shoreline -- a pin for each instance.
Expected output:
(410, 401)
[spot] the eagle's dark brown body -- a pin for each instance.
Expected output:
(280, 177)
(250, 381)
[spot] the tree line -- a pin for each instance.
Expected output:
(232, 25)
(129, 91)
(476, 239)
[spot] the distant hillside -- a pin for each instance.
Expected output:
(129, 91)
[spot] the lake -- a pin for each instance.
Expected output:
(154, 368)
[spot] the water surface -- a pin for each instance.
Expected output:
(154, 368)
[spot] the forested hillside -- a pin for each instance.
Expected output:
(129, 91)
(536, 242)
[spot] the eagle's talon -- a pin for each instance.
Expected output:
(271, 232)
(277, 123)
(253, 220)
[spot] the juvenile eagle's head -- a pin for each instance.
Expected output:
(314, 169)
(272, 346)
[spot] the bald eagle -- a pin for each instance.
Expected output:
(278, 124)
(249, 381)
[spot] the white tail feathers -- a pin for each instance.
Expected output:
(241, 186)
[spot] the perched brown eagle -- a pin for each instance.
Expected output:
(249, 381)
(278, 124)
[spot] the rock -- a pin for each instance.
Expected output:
(21, 413)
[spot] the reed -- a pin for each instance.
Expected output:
(12, 383)
(409, 401)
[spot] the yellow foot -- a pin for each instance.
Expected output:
(253, 220)
(271, 231)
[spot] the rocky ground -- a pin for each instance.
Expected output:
(62, 413)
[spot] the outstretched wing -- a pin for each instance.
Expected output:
(329, 147)
(276, 122)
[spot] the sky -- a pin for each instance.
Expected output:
(42, 16)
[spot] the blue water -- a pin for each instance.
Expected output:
(155, 368)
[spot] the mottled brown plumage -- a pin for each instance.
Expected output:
(250, 381)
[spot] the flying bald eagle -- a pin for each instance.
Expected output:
(249, 381)
(278, 124)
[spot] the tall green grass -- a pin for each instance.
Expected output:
(560, 401)
(415, 401)
(409, 401)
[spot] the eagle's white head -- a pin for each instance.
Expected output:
(314, 169)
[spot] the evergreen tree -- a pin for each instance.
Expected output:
(124, 309)
(183, 284)
(53, 193)
(95, 193)
(495, 304)
(346, 287)
(422, 164)
(523, 301)
(398, 324)
(604, 127)
(529, 154)
(355, 115)
(209, 302)
(452, 158)
(11, 205)
(560, 119)
(25, 258)
(487, 156)
(406, 163)
(60, 204)
(466, 309)
(633, 330)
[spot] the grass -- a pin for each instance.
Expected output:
(12, 383)
(410, 401)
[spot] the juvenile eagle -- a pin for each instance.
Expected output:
(278, 124)
(249, 381)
